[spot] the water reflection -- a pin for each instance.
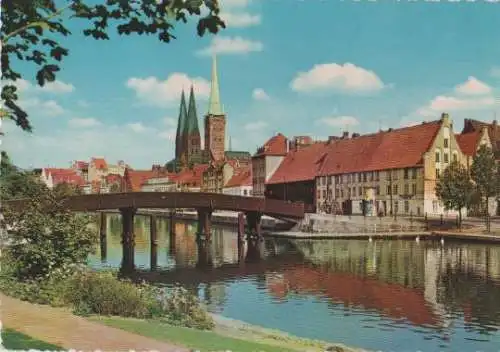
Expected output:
(435, 298)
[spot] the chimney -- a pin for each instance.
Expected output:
(355, 135)
(345, 135)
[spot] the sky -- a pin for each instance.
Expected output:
(314, 67)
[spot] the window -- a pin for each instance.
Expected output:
(455, 157)
(438, 173)
(364, 177)
(341, 193)
(414, 174)
(395, 189)
(445, 143)
(438, 159)
(360, 191)
(377, 176)
(396, 207)
(405, 174)
(324, 194)
(413, 189)
(446, 158)
(359, 177)
(407, 189)
(407, 207)
(377, 190)
(394, 174)
(388, 190)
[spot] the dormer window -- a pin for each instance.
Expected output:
(445, 143)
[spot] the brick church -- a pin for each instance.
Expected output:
(188, 148)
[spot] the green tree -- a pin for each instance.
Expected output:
(46, 237)
(16, 183)
(485, 175)
(65, 189)
(30, 32)
(455, 189)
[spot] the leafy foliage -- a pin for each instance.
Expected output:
(16, 183)
(485, 174)
(31, 29)
(45, 236)
(65, 189)
(455, 188)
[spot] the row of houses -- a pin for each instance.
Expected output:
(388, 172)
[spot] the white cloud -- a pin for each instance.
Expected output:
(155, 92)
(339, 121)
(224, 4)
(240, 19)
(170, 121)
(255, 126)
(260, 94)
(495, 72)
(137, 127)
(444, 103)
(57, 87)
(473, 86)
(38, 106)
(231, 46)
(338, 77)
(83, 103)
(83, 122)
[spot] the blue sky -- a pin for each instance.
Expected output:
(298, 67)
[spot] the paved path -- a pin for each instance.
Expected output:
(60, 327)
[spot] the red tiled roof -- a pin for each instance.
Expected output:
(276, 145)
(192, 177)
(240, 178)
(468, 142)
(64, 176)
(134, 179)
(398, 148)
(113, 178)
(99, 163)
(300, 165)
(52, 171)
(393, 300)
(81, 165)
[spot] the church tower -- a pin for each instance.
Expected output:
(215, 120)
(179, 136)
(192, 132)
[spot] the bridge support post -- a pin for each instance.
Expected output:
(204, 224)
(171, 232)
(128, 240)
(102, 236)
(154, 242)
(253, 222)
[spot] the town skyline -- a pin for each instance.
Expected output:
(389, 76)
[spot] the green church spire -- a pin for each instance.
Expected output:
(181, 123)
(192, 117)
(214, 105)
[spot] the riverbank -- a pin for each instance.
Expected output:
(466, 235)
(114, 333)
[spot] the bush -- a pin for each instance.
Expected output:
(44, 237)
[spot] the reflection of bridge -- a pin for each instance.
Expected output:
(204, 203)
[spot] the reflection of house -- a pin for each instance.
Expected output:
(240, 184)
(266, 161)
(392, 300)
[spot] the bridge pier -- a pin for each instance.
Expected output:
(128, 238)
(204, 255)
(153, 236)
(102, 236)
(253, 222)
(204, 224)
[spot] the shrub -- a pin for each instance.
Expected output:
(44, 236)
(104, 294)
(183, 308)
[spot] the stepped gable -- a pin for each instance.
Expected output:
(468, 142)
(301, 164)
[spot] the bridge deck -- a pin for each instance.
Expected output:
(172, 200)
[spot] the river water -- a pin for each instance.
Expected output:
(384, 295)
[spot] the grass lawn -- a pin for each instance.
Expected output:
(191, 338)
(13, 340)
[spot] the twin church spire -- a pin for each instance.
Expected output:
(188, 140)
